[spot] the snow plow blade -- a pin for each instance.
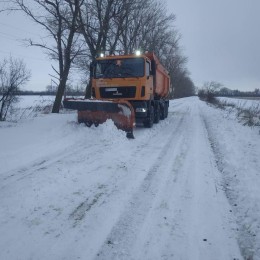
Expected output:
(91, 111)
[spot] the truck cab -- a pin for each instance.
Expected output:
(125, 77)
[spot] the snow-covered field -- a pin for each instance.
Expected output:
(247, 111)
(29, 107)
(242, 103)
(186, 189)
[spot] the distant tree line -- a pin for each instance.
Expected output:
(212, 89)
(81, 29)
(70, 91)
(226, 92)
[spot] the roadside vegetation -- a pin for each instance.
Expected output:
(13, 75)
(246, 114)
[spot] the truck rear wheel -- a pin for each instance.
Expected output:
(157, 114)
(166, 111)
(149, 121)
(88, 123)
(162, 112)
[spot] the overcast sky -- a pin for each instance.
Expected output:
(220, 38)
(13, 29)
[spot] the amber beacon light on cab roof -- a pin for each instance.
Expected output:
(127, 89)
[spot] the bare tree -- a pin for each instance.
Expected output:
(102, 24)
(133, 19)
(59, 19)
(13, 75)
(147, 27)
(209, 90)
(128, 25)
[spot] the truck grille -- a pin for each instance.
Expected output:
(118, 92)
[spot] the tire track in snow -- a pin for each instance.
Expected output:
(178, 178)
(120, 186)
(202, 215)
(141, 147)
(121, 239)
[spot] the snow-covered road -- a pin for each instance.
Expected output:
(71, 192)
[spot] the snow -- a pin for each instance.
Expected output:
(29, 107)
(237, 150)
(242, 103)
(185, 189)
(88, 100)
(34, 100)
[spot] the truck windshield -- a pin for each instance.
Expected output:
(120, 68)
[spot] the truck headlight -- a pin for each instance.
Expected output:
(141, 110)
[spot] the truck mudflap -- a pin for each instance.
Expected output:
(91, 111)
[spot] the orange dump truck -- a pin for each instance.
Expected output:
(128, 89)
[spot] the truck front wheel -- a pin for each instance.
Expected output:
(149, 121)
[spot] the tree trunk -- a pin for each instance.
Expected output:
(88, 90)
(58, 98)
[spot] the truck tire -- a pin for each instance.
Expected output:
(157, 114)
(88, 123)
(149, 121)
(166, 111)
(162, 111)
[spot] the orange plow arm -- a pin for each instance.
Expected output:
(91, 111)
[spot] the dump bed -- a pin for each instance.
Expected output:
(162, 79)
